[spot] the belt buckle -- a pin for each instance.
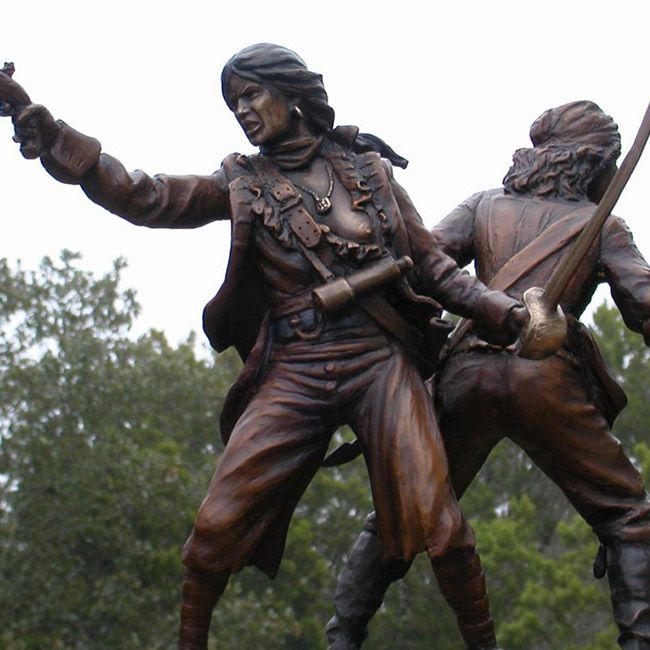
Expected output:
(296, 323)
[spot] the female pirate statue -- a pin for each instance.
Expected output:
(331, 272)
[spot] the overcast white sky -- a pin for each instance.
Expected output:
(453, 87)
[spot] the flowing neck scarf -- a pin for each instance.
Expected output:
(294, 153)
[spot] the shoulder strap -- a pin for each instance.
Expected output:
(553, 239)
(374, 305)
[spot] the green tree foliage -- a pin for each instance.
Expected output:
(107, 446)
(629, 359)
(108, 442)
(537, 551)
(290, 613)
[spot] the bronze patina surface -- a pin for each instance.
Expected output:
(559, 409)
(316, 204)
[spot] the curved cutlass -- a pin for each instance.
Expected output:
(546, 331)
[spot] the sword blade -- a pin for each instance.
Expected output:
(569, 264)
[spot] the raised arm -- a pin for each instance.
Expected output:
(160, 201)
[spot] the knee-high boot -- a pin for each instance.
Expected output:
(462, 583)
(360, 590)
(628, 571)
(201, 591)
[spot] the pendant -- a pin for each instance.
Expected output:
(323, 205)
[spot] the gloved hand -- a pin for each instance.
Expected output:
(518, 318)
(35, 130)
(498, 319)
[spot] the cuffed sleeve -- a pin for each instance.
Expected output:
(160, 201)
(492, 317)
(71, 155)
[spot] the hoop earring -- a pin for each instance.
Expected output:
(297, 112)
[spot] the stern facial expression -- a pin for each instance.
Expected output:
(264, 116)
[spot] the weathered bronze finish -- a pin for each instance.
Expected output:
(546, 332)
(559, 409)
(306, 371)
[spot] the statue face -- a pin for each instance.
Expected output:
(263, 115)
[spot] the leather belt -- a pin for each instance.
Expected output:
(308, 324)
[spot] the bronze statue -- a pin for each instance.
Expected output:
(316, 205)
(559, 410)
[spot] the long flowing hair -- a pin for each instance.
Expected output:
(282, 71)
(572, 144)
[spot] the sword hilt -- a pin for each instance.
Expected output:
(546, 330)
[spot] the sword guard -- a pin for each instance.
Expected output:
(546, 331)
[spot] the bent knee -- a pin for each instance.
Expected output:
(212, 531)
(192, 557)
(201, 554)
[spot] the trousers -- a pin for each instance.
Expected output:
(308, 389)
(544, 407)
